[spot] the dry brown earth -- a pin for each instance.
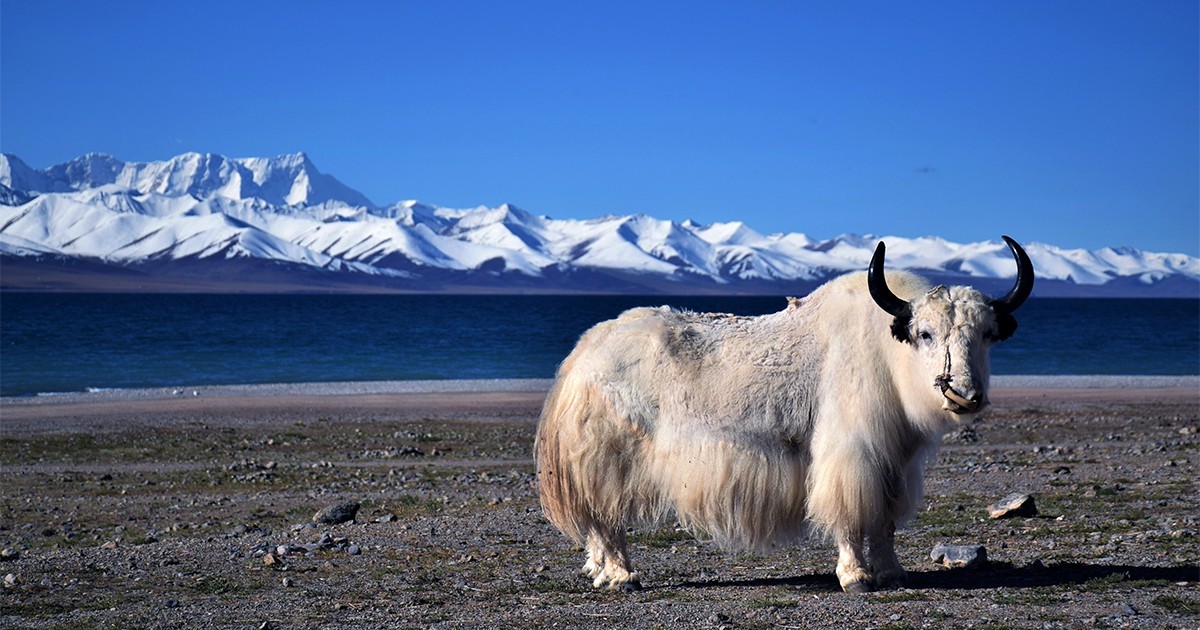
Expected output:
(162, 513)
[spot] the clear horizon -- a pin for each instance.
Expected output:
(1069, 123)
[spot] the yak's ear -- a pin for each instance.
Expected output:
(1007, 325)
(900, 329)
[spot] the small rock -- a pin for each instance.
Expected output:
(336, 513)
(354, 550)
(1062, 470)
(10, 580)
(1013, 505)
(9, 554)
(1128, 609)
(958, 556)
(270, 559)
(287, 582)
(172, 603)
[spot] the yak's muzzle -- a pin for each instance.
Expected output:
(968, 402)
(959, 404)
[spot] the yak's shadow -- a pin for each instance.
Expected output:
(991, 575)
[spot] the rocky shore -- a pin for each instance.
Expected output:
(232, 508)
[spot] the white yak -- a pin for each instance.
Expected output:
(747, 428)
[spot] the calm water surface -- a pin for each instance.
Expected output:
(56, 343)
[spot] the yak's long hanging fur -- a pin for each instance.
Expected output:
(736, 425)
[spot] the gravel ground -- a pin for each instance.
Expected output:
(181, 510)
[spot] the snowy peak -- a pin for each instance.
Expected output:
(290, 180)
(294, 180)
(203, 208)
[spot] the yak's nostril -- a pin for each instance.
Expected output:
(968, 403)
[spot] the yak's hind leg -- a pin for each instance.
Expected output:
(881, 554)
(608, 561)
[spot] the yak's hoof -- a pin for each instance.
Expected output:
(891, 581)
(631, 586)
(858, 587)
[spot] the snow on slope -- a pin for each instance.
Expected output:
(201, 206)
(283, 180)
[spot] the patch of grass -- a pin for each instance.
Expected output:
(1105, 582)
(1131, 515)
(1035, 597)
(214, 586)
(944, 516)
(551, 585)
(898, 596)
(414, 503)
(1121, 579)
(1113, 580)
(1174, 604)
(783, 600)
(664, 538)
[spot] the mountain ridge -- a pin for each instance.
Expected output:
(196, 211)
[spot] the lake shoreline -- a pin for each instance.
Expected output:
(238, 406)
(348, 388)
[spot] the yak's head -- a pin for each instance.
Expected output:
(952, 329)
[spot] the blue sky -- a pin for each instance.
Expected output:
(1072, 123)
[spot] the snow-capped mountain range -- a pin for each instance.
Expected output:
(204, 220)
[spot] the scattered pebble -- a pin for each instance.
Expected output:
(336, 513)
(9, 554)
(958, 556)
(1013, 505)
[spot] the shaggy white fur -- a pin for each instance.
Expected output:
(747, 428)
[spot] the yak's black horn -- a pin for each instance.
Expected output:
(1020, 291)
(880, 292)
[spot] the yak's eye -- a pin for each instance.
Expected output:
(925, 335)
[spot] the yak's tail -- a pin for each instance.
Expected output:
(587, 465)
(555, 449)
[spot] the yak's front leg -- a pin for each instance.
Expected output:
(608, 561)
(881, 553)
(852, 568)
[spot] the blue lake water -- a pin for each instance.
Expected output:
(72, 342)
